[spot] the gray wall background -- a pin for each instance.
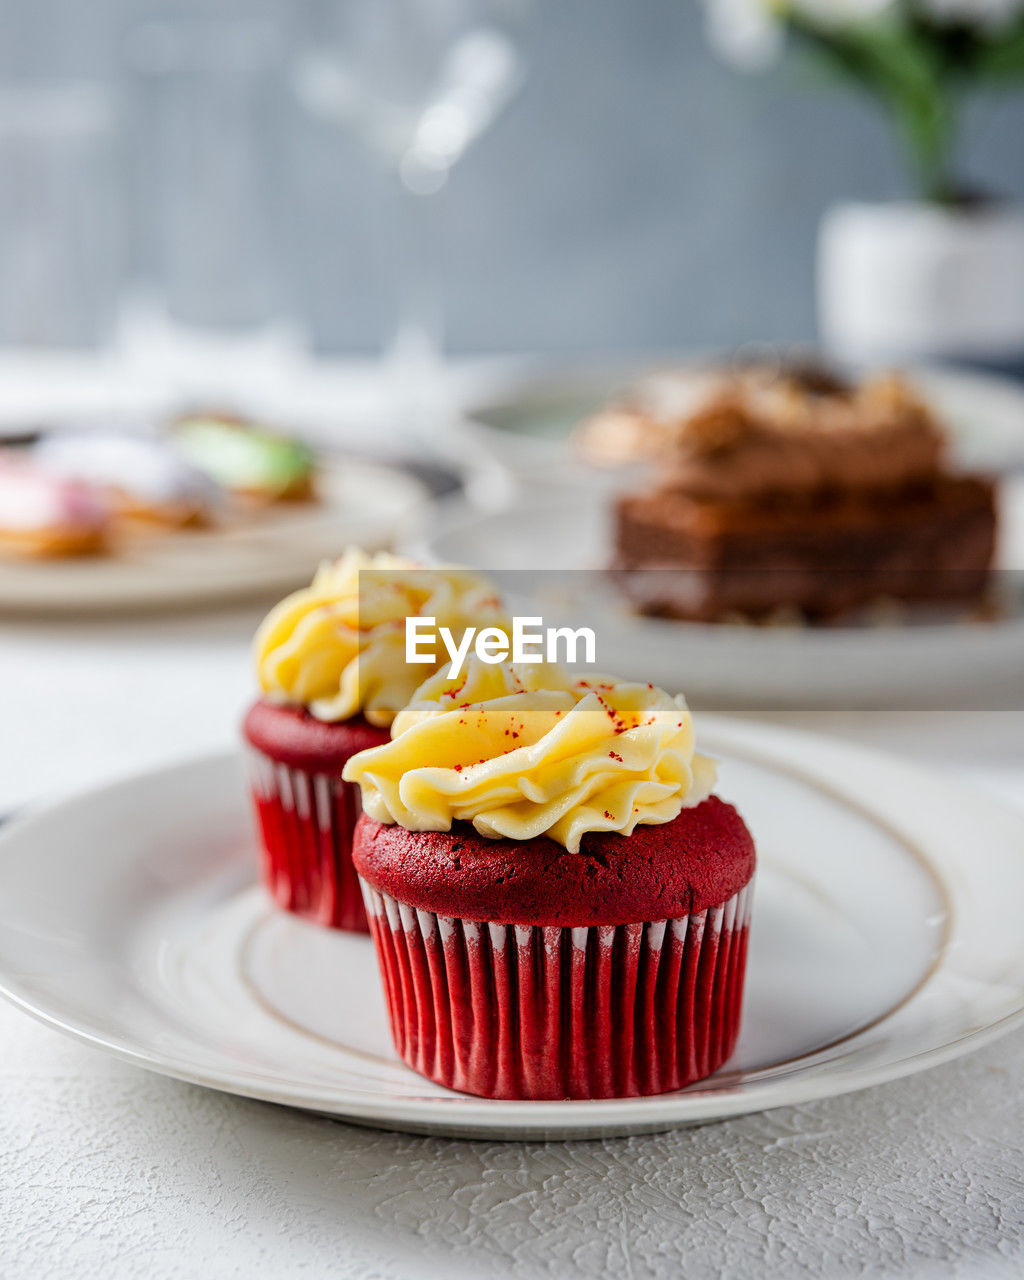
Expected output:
(637, 194)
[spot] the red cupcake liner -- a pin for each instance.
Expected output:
(608, 1011)
(305, 823)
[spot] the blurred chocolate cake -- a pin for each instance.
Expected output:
(800, 493)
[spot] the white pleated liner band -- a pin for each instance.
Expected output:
(305, 823)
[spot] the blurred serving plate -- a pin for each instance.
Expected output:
(358, 502)
(549, 555)
(129, 918)
(527, 426)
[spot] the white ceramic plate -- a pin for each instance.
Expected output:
(527, 426)
(549, 553)
(886, 938)
(359, 502)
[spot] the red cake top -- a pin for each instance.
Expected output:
(292, 737)
(660, 872)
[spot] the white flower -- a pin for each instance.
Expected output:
(749, 33)
(745, 33)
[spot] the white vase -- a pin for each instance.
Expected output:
(915, 281)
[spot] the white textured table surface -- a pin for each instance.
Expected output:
(108, 1171)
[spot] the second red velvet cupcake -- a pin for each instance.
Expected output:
(560, 909)
(330, 660)
(305, 813)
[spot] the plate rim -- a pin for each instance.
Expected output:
(116, 597)
(463, 1115)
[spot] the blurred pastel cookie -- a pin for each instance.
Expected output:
(246, 459)
(145, 480)
(42, 515)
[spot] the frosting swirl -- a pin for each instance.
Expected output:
(527, 751)
(754, 439)
(337, 647)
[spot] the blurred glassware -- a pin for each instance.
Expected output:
(416, 82)
(61, 264)
(212, 260)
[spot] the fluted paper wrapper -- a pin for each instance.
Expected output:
(609, 1011)
(305, 823)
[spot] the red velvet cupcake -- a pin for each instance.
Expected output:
(331, 663)
(305, 813)
(563, 911)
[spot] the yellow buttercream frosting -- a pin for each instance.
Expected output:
(337, 647)
(527, 751)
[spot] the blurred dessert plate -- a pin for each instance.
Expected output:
(359, 502)
(550, 553)
(130, 918)
(529, 424)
